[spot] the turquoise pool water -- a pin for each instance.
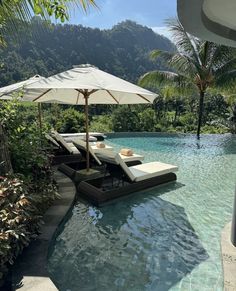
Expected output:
(164, 238)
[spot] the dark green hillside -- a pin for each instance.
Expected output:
(122, 50)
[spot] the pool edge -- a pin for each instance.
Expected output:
(30, 270)
(228, 253)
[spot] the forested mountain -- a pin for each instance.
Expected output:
(48, 49)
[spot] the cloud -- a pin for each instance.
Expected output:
(163, 30)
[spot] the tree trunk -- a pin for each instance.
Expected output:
(5, 161)
(176, 113)
(200, 112)
(233, 121)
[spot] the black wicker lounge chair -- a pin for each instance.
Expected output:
(121, 179)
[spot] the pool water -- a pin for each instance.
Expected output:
(164, 238)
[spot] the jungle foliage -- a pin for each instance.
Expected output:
(48, 49)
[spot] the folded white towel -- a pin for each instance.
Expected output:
(126, 152)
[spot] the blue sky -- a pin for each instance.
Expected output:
(151, 13)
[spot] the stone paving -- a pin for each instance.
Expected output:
(228, 259)
(30, 271)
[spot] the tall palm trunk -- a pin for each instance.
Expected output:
(200, 113)
(5, 161)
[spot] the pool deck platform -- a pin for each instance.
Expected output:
(30, 270)
(228, 259)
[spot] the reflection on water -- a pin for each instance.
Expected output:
(163, 238)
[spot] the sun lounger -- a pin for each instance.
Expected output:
(93, 136)
(97, 149)
(138, 172)
(68, 147)
(52, 141)
(130, 178)
(63, 152)
(81, 146)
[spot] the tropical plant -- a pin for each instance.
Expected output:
(71, 121)
(125, 119)
(101, 123)
(231, 100)
(197, 66)
(25, 195)
(147, 119)
(21, 209)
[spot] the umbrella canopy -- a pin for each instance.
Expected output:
(8, 92)
(69, 87)
(84, 85)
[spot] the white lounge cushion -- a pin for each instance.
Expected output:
(52, 140)
(69, 138)
(80, 144)
(108, 156)
(96, 149)
(134, 157)
(139, 172)
(73, 148)
(150, 170)
(112, 157)
(61, 140)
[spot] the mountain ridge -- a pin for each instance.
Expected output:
(122, 50)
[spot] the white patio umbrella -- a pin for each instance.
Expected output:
(9, 92)
(84, 85)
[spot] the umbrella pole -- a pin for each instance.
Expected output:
(87, 130)
(40, 117)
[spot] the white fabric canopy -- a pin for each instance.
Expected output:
(66, 88)
(8, 92)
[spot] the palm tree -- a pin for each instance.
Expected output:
(197, 65)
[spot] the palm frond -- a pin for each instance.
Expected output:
(87, 3)
(226, 79)
(184, 42)
(184, 64)
(11, 11)
(157, 79)
(181, 63)
(227, 66)
(221, 55)
(206, 51)
(160, 53)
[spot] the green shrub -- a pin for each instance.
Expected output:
(214, 129)
(101, 123)
(188, 119)
(23, 200)
(147, 119)
(21, 209)
(71, 121)
(125, 119)
(158, 127)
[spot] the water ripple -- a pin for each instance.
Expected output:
(165, 238)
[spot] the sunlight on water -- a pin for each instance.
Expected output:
(164, 238)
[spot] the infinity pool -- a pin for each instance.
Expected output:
(164, 238)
